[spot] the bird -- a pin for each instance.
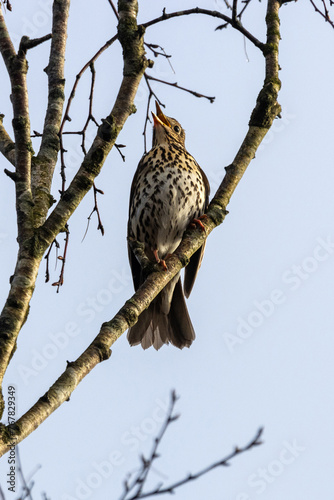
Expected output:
(169, 191)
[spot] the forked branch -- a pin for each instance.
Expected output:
(134, 486)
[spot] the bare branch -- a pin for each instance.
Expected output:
(138, 482)
(7, 5)
(27, 43)
(16, 308)
(95, 209)
(17, 67)
(82, 132)
(79, 75)
(62, 258)
(119, 147)
(246, 3)
(26, 488)
(151, 94)
(7, 146)
(213, 13)
(48, 152)
(325, 13)
(47, 258)
(111, 3)
(234, 10)
(193, 92)
(152, 47)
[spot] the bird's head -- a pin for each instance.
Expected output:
(166, 129)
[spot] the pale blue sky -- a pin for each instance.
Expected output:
(262, 306)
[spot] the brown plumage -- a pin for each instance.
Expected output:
(168, 191)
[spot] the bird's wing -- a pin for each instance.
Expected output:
(195, 261)
(137, 274)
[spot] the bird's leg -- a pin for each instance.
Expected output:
(158, 260)
(198, 222)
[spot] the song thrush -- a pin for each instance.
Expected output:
(168, 191)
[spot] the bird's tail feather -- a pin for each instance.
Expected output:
(156, 328)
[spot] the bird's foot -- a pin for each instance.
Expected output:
(162, 262)
(198, 222)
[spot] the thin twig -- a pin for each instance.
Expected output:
(62, 165)
(95, 209)
(60, 282)
(47, 258)
(193, 92)
(7, 5)
(151, 94)
(324, 14)
(133, 488)
(26, 488)
(152, 47)
(246, 3)
(119, 147)
(256, 441)
(146, 464)
(113, 8)
(234, 10)
(90, 116)
(79, 75)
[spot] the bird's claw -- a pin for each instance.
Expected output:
(198, 222)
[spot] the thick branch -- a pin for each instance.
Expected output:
(47, 157)
(135, 63)
(17, 67)
(16, 308)
(7, 146)
(30, 43)
(266, 110)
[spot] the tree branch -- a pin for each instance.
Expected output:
(264, 113)
(7, 146)
(29, 43)
(111, 3)
(138, 481)
(48, 153)
(133, 489)
(325, 15)
(17, 67)
(213, 13)
(135, 64)
(177, 86)
(15, 310)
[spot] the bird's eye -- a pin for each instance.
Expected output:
(177, 129)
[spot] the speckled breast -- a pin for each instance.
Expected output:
(168, 194)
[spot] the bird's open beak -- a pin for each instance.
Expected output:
(159, 118)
